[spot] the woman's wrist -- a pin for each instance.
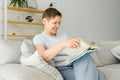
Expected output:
(63, 44)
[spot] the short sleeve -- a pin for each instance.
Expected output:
(38, 40)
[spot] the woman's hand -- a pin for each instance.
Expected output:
(72, 43)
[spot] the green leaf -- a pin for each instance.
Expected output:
(19, 3)
(12, 2)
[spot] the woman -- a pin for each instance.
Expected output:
(50, 42)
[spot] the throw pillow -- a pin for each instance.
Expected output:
(27, 47)
(36, 61)
(116, 51)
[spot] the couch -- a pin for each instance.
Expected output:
(11, 68)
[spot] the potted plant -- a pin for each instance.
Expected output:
(29, 18)
(18, 3)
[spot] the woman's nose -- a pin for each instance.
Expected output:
(57, 25)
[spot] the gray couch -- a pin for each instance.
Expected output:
(11, 69)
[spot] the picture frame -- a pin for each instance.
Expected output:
(32, 4)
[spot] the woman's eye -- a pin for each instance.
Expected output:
(59, 23)
(54, 22)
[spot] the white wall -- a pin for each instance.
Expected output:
(91, 19)
(94, 20)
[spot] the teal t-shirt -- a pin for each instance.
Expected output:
(49, 41)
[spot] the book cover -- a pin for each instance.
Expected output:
(76, 53)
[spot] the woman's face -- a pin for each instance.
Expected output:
(52, 25)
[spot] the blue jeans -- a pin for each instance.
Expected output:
(81, 69)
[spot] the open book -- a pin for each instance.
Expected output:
(73, 54)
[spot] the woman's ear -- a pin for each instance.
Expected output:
(44, 20)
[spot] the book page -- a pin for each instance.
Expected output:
(71, 51)
(75, 53)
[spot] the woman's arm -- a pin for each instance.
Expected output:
(50, 53)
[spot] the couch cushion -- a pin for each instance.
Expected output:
(9, 51)
(104, 54)
(20, 72)
(112, 72)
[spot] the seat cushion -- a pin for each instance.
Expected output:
(20, 72)
(112, 72)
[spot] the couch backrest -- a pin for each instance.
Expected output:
(9, 51)
(104, 55)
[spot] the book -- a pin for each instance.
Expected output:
(76, 53)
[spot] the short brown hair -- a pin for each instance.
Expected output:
(51, 13)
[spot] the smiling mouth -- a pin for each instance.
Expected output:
(55, 29)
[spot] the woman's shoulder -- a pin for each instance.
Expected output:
(39, 35)
(38, 38)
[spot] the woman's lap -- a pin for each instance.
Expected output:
(81, 69)
(85, 69)
(67, 72)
